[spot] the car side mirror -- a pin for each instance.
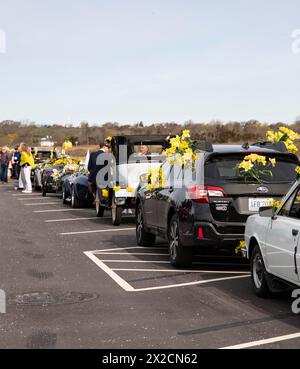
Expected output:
(267, 212)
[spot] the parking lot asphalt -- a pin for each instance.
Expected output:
(75, 281)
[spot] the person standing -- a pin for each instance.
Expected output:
(26, 164)
(94, 168)
(16, 163)
(4, 161)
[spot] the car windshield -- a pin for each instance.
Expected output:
(225, 167)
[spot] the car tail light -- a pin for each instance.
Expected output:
(202, 193)
(200, 233)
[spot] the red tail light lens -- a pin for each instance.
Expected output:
(202, 193)
(200, 233)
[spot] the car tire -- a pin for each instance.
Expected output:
(259, 274)
(75, 202)
(64, 197)
(44, 190)
(35, 185)
(179, 255)
(116, 214)
(143, 237)
(99, 209)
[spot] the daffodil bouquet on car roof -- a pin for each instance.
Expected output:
(258, 167)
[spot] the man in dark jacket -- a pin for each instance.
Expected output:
(94, 168)
(16, 163)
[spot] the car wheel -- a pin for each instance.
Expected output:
(75, 202)
(179, 256)
(99, 209)
(116, 214)
(143, 238)
(259, 273)
(35, 185)
(44, 190)
(64, 197)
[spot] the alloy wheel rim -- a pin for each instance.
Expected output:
(139, 223)
(258, 271)
(114, 212)
(173, 240)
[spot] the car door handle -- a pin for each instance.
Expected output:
(295, 232)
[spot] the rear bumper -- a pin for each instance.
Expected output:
(213, 236)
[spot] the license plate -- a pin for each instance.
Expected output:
(256, 203)
(124, 193)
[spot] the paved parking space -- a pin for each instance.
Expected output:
(146, 269)
(140, 299)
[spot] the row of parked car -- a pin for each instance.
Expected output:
(212, 215)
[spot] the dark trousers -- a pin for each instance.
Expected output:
(4, 170)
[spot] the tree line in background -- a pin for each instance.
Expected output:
(12, 132)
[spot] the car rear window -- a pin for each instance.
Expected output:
(224, 167)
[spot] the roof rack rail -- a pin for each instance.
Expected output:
(203, 146)
(278, 146)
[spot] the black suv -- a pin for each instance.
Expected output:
(211, 214)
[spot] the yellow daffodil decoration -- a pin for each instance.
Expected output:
(108, 140)
(181, 149)
(297, 170)
(286, 135)
(241, 248)
(255, 166)
(155, 178)
(180, 152)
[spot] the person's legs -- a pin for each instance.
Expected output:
(22, 179)
(27, 175)
(5, 173)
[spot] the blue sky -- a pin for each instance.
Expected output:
(150, 60)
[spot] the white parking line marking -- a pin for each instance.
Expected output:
(127, 248)
(25, 194)
(34, 198)
(56, 210)
(262, 342)
(190, 283)
(180, 271)
(133, 254)
(97, 231)
(223, 264)
(72, 219)
(136, 261)
(42, 203)
(75, 219)
(120, 281)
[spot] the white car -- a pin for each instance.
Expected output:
(272, 245)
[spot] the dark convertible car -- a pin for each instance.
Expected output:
(75, 190)
(210, 214)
